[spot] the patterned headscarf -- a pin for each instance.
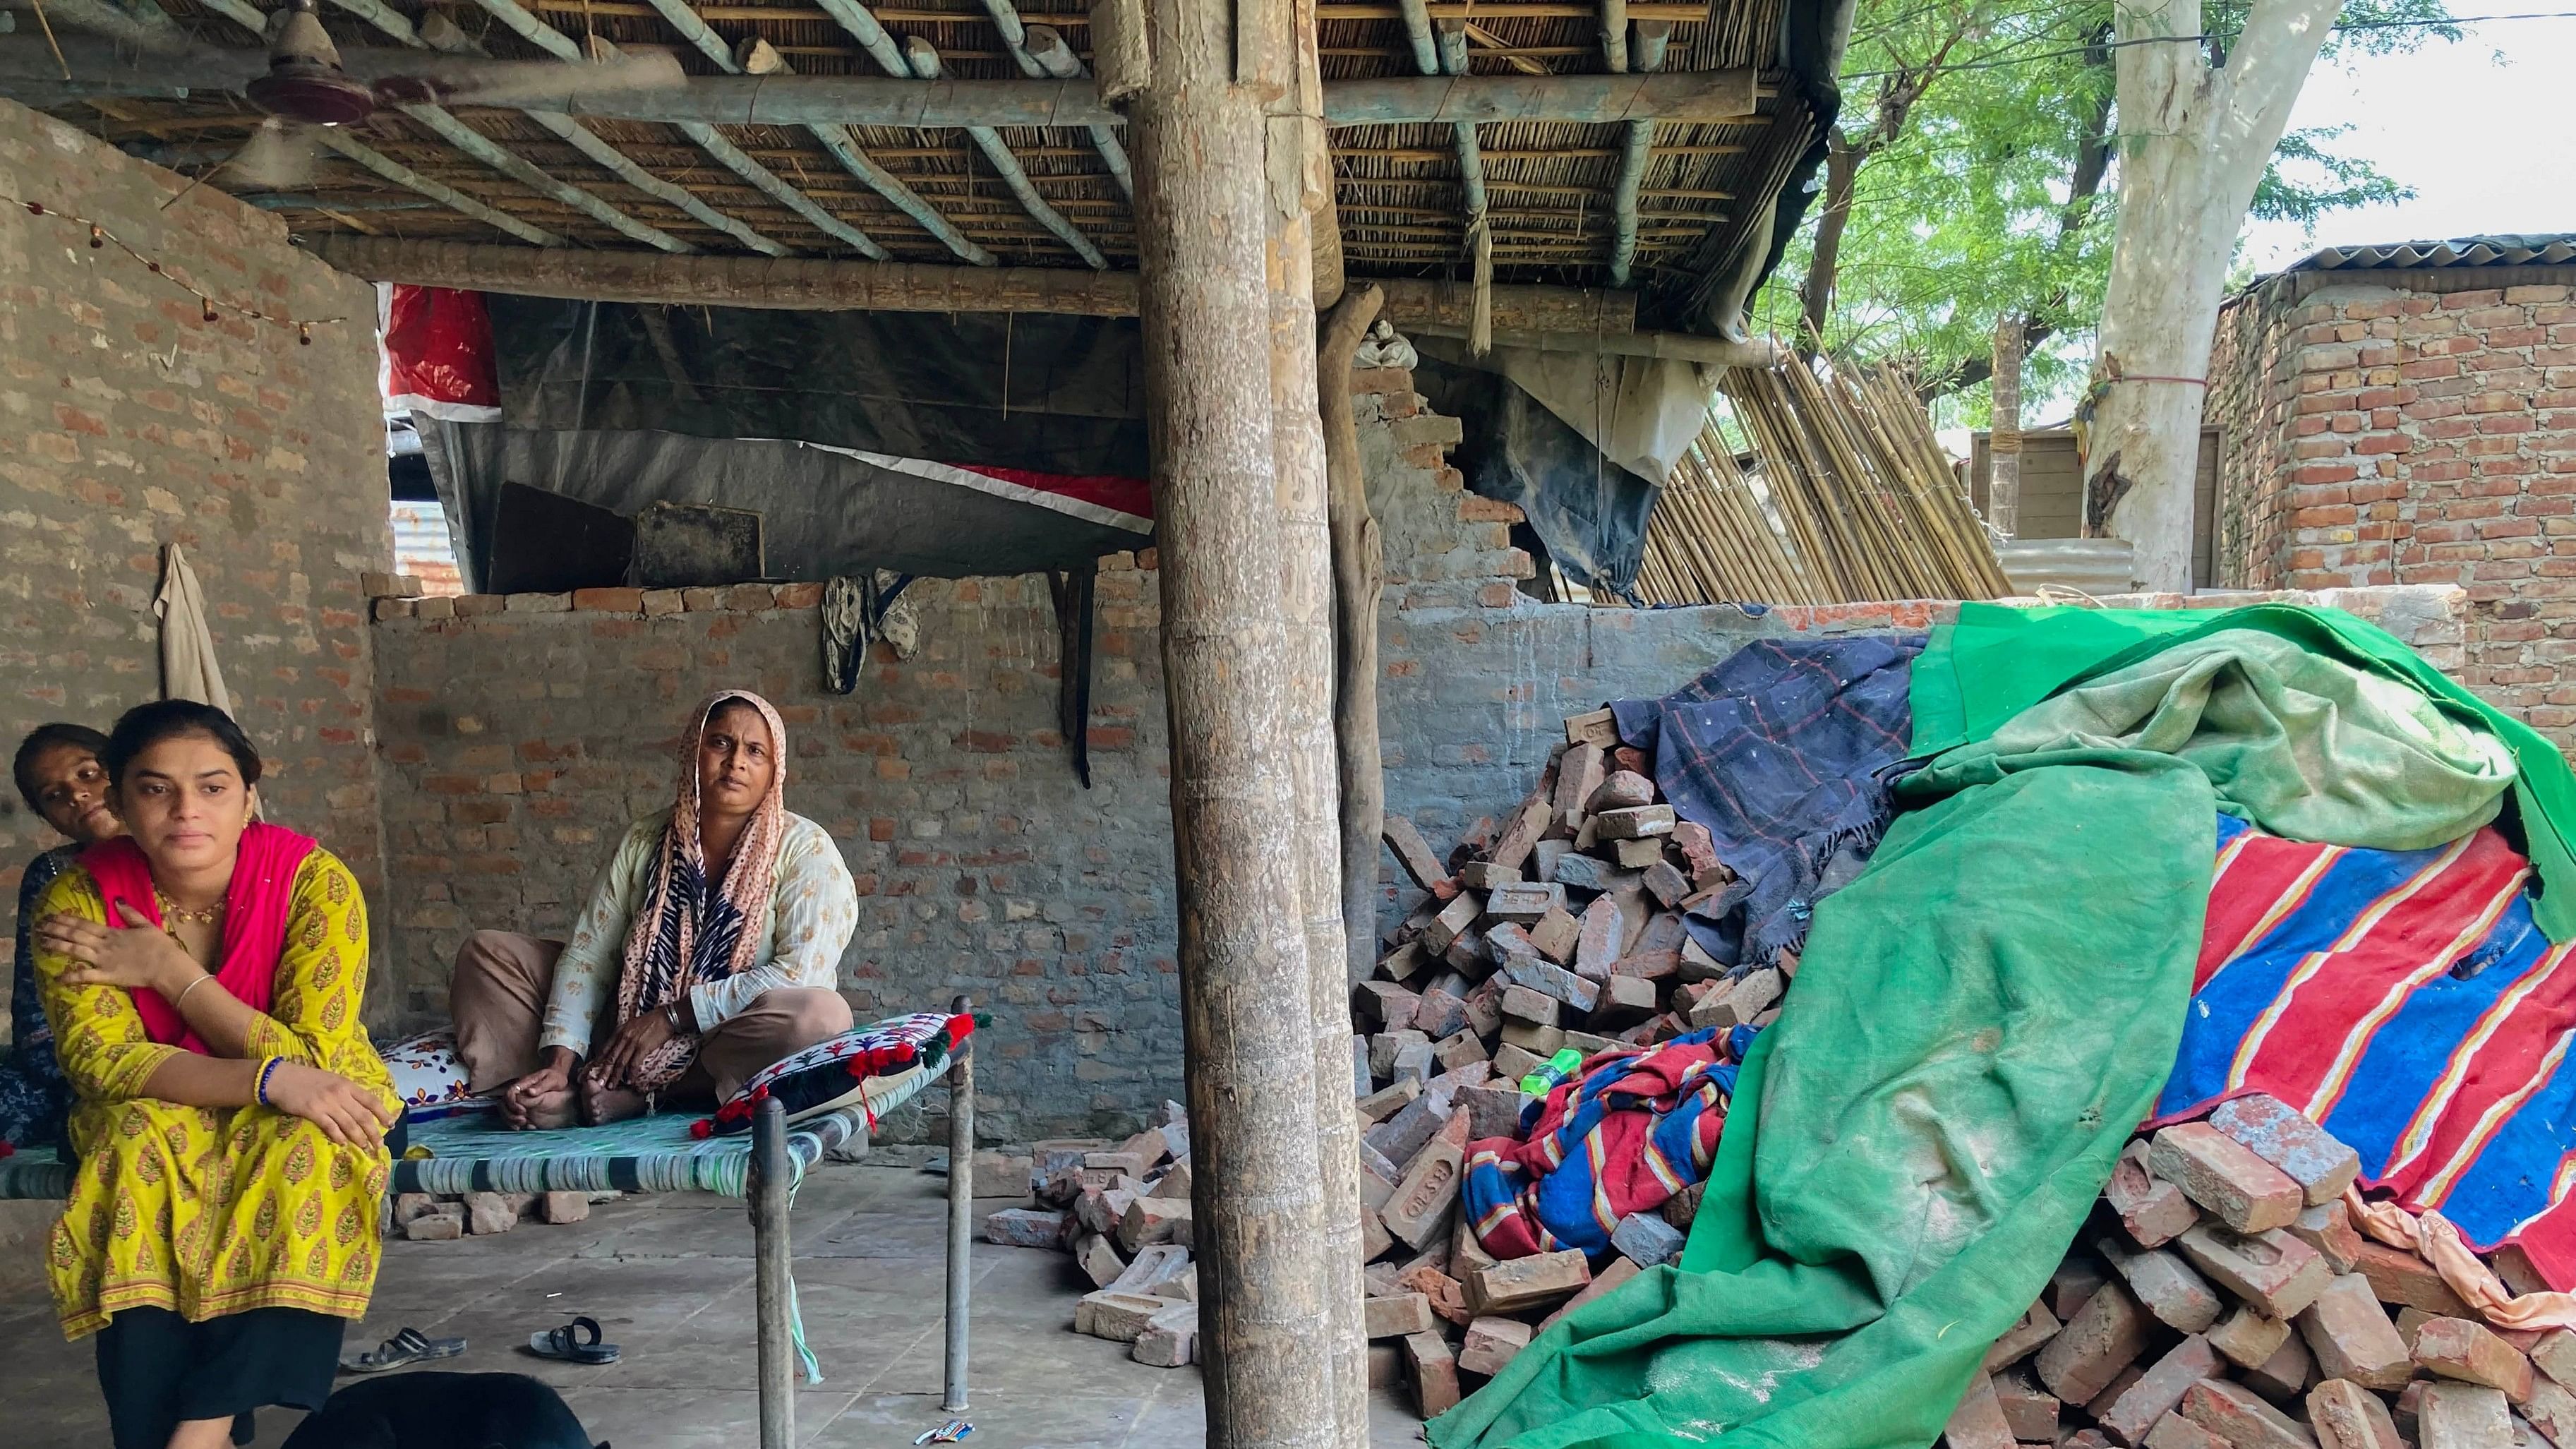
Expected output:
(683, 933)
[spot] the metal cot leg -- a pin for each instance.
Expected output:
(770, 1175)
(961, 1208)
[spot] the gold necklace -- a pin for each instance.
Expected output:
(170, 911)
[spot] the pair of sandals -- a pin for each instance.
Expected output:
(575, 1342)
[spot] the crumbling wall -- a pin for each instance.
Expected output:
(521, 734)
(2413, 427)
(128, 421)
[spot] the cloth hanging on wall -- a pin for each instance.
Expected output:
(188, 667)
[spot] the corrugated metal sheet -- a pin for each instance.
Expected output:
(2528, 250)
(423, 550)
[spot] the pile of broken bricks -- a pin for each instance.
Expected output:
(1561, 925)
(1122, 1209)
(422, 1217)
(2223, 1298)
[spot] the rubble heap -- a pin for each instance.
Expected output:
(2223, 1298)
(1559, 926)
(1123, 1210)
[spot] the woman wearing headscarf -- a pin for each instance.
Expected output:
(203, 973)
(709, 948)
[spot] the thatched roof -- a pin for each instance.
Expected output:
(1552, 187)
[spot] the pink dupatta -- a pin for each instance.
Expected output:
(255, 910)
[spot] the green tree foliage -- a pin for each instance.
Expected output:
(1974, 165)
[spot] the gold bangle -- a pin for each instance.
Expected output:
(176, 1002)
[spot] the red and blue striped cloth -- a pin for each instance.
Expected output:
(2406, 1001)
(1630, 1131)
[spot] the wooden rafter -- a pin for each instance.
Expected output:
(835, 138)
(922, 57)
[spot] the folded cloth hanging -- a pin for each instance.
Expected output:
(1782, 750)
(1632, 1130)
(2406, 1001)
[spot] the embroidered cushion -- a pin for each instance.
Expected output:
(429, 1078)
(830, 1075)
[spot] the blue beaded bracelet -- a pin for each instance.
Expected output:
(266, 1069)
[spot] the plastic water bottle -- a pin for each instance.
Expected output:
(1559, 1068)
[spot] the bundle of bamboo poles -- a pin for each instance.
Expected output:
(1855, 500)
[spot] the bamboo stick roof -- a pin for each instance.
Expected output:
(1552, 188)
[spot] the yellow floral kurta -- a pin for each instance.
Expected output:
(208, 1211)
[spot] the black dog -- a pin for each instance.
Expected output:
(428, 1410)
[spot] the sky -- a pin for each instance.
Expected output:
(2473, 126)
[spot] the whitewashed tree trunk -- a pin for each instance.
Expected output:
(2194, 143)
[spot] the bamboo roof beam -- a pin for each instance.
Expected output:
(1047, 47)
(573, 133)
(28, 72)
(1417, 30)
(834, 284)
(723, 152)
(834, 136)
(924, 57)
(1614, 36)
(454, 200)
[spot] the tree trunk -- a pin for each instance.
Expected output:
(1359, 577)
(1259, 1194)
(2199, 142)
(2003, 436)
(1816, 293)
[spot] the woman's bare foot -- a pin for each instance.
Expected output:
(600, 1105)
(546, 1111)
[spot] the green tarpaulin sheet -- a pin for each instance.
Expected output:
(1997, 661)
(1932, 1117)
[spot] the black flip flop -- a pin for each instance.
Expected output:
(404, 1349)
(568, 1344)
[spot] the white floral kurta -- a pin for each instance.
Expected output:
(808, 918)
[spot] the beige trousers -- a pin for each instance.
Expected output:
(498, 999)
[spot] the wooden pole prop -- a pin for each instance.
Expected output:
(961, 1211)
(772, 1176)
(1300, 179)
(1201, 225)
(1359, 576)
(2003, 439)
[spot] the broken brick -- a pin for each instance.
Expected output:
(2099, 1341)
(2179, 1297)
(2224, 1176)
(1978, 1422)
(1529, 1282)
(2353, 1338)
(1395, 1317)
(2276, 1132)
(2273, 1271)
(2328, 1228)
(2247, 1339)
(2456, 1348)
(2239, 1418)
(2154, 1211)
(2344, 1415)
(1491, 1343)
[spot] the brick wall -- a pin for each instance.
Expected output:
(2417, 428)
(127, 421)
(521, 734)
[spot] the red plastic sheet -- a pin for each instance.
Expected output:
(438, 355)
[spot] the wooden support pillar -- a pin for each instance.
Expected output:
(1202, 212)
(1300, 187)
(1359, 578)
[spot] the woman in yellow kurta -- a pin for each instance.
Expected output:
(205, 975)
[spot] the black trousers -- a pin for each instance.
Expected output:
(158, 1369)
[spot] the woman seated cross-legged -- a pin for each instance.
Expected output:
(203, 974)
(709, 948)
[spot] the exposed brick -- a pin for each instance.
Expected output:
(2223, 1176)
(2352, 1337)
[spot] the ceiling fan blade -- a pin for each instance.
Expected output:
(530, 85)
(280, 156)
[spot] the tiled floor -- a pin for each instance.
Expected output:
(670, 1279)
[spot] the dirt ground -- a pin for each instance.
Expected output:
(669, 1277)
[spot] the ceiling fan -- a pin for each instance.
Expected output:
(306, 88)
